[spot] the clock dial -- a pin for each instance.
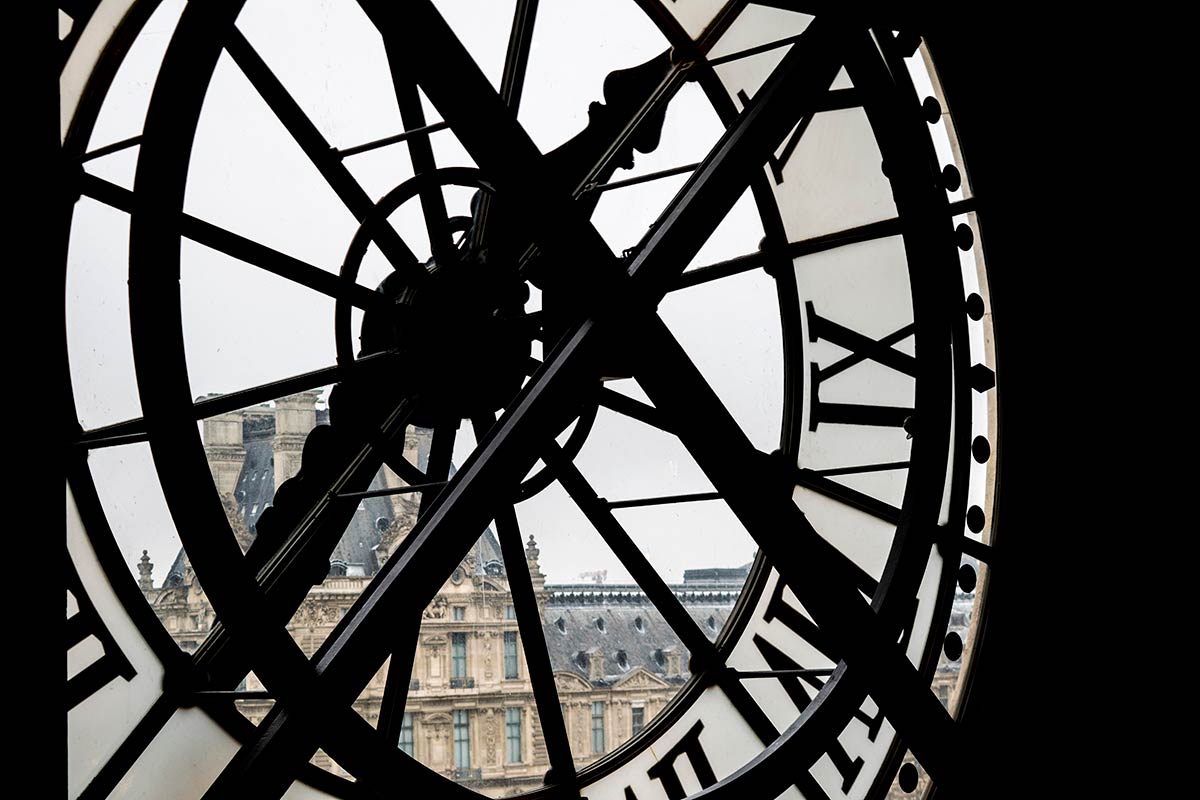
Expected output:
(458, 335)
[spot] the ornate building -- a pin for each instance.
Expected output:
(470, 711)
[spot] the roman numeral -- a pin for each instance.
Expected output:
(862, 348)
(664, 771)
(778, 659)
(84, 623)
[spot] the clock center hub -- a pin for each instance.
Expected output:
(461, 333)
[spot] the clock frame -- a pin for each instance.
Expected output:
(861, 614)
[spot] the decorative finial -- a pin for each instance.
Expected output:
(531, 549)
(145, 568)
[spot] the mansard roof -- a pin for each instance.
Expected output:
(619, 624)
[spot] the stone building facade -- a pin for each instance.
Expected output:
(470, 712)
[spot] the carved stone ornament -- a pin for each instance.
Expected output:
(436, 609)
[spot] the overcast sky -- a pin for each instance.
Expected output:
(244, 327)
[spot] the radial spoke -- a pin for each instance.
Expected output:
(235, 245)
(637, 179)
(441, 453)
(891, 465)
(420, 151)
(797, 249)
(814, 569)
(634, 409)
(664, 500)
(516, 61)
(623, 546)
(323, 156)
(135, 430)
(345, 152)
(747, 674)
(395, 689)
(395, 490)
(847, 496)
(512, 83)
(533, 639)
(111, 148)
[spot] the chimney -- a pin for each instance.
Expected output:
(225, 450)
(295, 416)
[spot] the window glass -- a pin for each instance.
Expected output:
(510, 655)
(406, 734)
(512, 724)
(597, 727)
(462, 740)
(458, 655)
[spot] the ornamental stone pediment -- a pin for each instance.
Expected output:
(570, 681)
(640, 678)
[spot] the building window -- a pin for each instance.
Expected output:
(459, 613)
(510, 612)
(458, 655)
(639, 719)
(406, 734)
(510, 654)
(598, 727)
(512, 724)
(462, 740)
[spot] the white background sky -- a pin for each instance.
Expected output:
(244, 327)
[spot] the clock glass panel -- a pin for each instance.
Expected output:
(352, 391)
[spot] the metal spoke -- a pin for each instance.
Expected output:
(847, 496)
(516, 60)
(420, 151)
(623, 546)
(111, 148)
(891, 465)
(441, 453)
(753, 51)
(634, 409)
(320, 152)
(135, 430)
(978, 550)
(234, 245)
(664, 500)
(512, 84)
(396, 685)
(634, 181)
(747, 674)
(404, 652)
(804, 247)
(345, 152)
(533, 638)
(414, 488)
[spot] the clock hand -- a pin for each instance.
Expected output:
(613, 132)
(630, 118)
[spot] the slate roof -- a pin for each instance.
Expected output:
(620, 622)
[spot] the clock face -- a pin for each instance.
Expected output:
(526, 398)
